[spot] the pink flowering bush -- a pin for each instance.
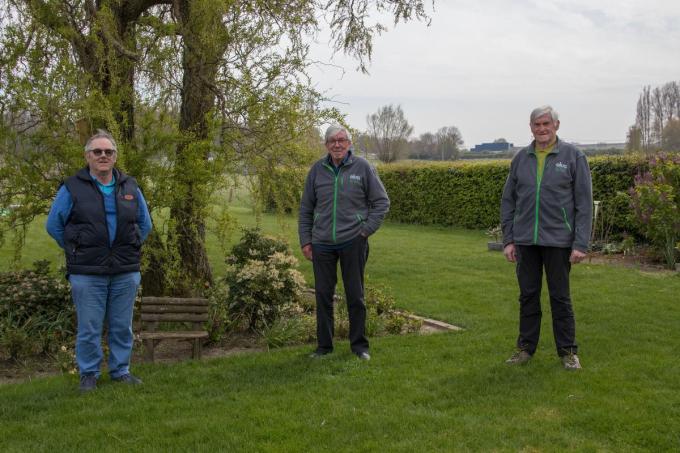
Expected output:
(655, 200)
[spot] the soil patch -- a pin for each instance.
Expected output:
(644, 261)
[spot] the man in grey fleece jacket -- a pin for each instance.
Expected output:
(343, 203)
(546, 215)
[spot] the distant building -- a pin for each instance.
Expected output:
(495, 147)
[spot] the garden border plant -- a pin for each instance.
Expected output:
(263, 292)
(655, 200)
(36, 313)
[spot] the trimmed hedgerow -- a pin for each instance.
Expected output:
(468, 194)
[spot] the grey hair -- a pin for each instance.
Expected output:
(334, 129)
(101, 133)
(543, 110)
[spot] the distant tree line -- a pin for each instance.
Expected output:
(388, 136)
(657, 119)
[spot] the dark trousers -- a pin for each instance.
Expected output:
(352, 264)
(531, 260)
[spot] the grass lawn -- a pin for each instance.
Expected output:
(444, 392)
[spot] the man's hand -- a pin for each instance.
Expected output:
(307, 251)
(576, 257)
(509, 252)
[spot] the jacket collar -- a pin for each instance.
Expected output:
(346, 161)
(84, 173)
(555, 150)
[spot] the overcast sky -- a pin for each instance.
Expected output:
(484, 65)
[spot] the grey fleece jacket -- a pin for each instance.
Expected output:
(337, 208)
(555, 211)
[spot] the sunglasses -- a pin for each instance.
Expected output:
(98, 152)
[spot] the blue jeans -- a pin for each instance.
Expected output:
(100, 298)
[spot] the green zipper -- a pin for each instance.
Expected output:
(335, 195)
(564, 213)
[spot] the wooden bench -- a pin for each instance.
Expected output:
(156, 310)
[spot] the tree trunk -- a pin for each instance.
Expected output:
(199, 64)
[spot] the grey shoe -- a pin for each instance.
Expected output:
(318, 354)
(363, 355)
(571, 362)
(127, 379)
(88, 382)
(519, 357)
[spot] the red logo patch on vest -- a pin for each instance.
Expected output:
(128, 197)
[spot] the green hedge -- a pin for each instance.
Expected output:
(463, 193)
(468, 194)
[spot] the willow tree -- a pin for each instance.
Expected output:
(192, 89)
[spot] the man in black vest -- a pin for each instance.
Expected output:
(100, 218)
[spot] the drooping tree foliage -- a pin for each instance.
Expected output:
(195, 92)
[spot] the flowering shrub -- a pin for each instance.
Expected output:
(35, 310)
(262, 280)
(655, 199)
(65, 357)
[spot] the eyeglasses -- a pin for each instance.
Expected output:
(98, 152)
(339, 141)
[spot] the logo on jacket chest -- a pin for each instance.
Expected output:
(561, 167)
(355, 179)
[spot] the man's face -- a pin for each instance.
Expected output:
(338, 145)
(97, 158)
(544, 129)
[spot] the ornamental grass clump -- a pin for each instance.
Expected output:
(655, 199)
(262, 280)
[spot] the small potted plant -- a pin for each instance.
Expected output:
(496, 233)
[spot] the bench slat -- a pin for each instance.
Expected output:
(173, 301)
(179, 317)
(173, 335)
(174, 309)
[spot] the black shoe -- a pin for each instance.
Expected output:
(363, 355)
(127, 379)
(88, 382)
(319, 354)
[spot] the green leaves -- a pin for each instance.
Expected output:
(462, 194)
(656, 203)
(35, 310)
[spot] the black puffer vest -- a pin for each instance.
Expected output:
(86, 235)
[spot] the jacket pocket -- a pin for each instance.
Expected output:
(566, 220)
(72, 247)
